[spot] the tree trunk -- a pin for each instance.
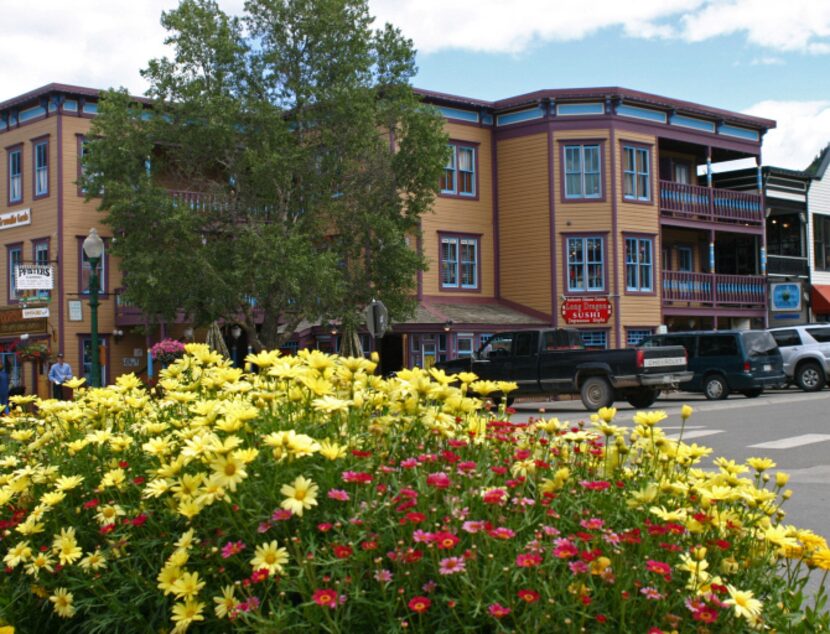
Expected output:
(350, 341)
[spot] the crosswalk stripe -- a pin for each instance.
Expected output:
(696, 433)
(792, 441)
(664, 427)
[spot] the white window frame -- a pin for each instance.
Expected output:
(453, 171)
(638, 270)
(635, 179)
(456, 270)
(41, 175)
(581, 152)
(584, 264)
(16, 178)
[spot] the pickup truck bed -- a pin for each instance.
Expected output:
(553, 362)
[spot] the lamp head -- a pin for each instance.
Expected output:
(93, 245)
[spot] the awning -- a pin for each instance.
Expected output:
(820, 296)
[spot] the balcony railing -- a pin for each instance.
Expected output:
(708, 204)
(714, 289)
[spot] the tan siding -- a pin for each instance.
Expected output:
(450, 214)
(524, 221)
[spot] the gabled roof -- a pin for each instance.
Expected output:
(55, 88)
(819, 166)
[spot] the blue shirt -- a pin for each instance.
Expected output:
(60, 372)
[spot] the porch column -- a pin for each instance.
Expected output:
(760, 182)
(708, 166)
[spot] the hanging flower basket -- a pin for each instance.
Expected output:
(33, 351)
(166, 351)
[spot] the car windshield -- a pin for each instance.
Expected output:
(758, 342)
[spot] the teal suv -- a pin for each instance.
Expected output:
(727, 361)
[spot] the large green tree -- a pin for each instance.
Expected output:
(276, 171)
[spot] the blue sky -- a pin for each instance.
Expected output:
(763, 57)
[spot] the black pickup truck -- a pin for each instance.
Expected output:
(554, 362)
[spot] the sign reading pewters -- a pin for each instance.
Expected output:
(34, 277)
(586, 310)
(12, 219)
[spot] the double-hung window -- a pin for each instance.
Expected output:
(459, 262)
(41, 158)
(639, 265)
(15, 175)
(583, 171)
(636, 173)
(586, 264)
(459, 177)
(14, 256)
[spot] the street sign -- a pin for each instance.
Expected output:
(377, 318)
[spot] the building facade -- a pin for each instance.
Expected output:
(591, 208)
(818, 205)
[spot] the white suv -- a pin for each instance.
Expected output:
(806, 352)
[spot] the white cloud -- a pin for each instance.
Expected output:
(803, 129)
(92, 43)
(499, 27)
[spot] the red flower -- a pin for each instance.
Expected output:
(419, 604)
(439, 480)
(498, 611)
(357, 476)
(415, 517)
(138, 480)
(107, 528)
(324, 527)
(369, 545)
(325, 598)
(529, 596)
(139, 520)
(342, 552)
(528, 560)
(601, 618)
(660, 568)
(412, 555)
(91, 504)
(706, 614)
(445, 540)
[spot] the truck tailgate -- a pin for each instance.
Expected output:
(662, 359)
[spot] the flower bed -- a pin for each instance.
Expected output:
(316, 496)
(167, 351)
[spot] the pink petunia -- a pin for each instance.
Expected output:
(473, 526)
(338, 494)
(498, 611)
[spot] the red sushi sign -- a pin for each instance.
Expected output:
(586, 310)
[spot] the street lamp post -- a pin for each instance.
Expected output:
(94, 250)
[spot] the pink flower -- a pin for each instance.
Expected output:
(599, 485)
(281, 515)
(564, 549)
(501, 532)
(383, 575)
(451, 565)
(466, 466)
(325, 598)
(593, 524)
(358, 477)
(473, 526)
(528, 560)
(338, 494)
(421, 536)
(578, 567)
(439, 480)
(232, 548)
(409, 463)
(651, 593)
(498, 611)
(529, 596)
(495, 496)
(444, 540)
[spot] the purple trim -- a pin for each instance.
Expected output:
(105, 264)
(495, 193)
(632, 97)
(61, 307)
(17, 147)
(710, 311)
(80, 139)
(523, 129)
(701, 224)
(615, 211)
(554, 296)
(641, 236)
(474, 146)
(582, 200)
(41, 140)
(458, 235)
(10, 273)
(585, 234)
(652, 194)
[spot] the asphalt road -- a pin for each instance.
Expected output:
(789, 426)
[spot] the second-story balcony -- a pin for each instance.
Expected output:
(710, 205)
(715, 290)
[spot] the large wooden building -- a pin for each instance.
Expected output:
(592, 208)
